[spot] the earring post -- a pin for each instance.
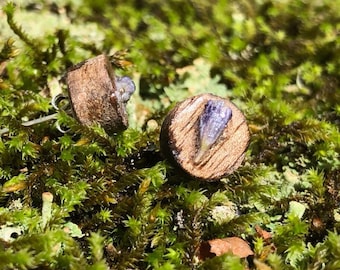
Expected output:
(33, 122)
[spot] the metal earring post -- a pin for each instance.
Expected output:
(32, 122)
(55, 101)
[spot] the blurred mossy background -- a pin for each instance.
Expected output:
(91, 200)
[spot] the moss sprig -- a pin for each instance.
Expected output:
(9, 9)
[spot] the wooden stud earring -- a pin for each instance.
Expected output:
(95, 95)
(206, 136)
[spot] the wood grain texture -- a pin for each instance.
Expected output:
(92, 93)
(180, 140)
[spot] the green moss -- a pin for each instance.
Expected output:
(116, 202)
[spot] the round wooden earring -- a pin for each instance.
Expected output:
(97, 95)
(206, 136)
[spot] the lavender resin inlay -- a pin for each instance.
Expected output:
(125, 88)
(212, 122)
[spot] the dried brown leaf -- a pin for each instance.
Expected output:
(217, 247)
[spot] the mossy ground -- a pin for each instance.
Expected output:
(116, 202)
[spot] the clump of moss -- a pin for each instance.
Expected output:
(114, 201)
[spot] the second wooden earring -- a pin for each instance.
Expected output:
(206, 136)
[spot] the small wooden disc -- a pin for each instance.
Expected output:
(180, 139)
(93, 94)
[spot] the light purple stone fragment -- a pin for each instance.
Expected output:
(212, 122)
